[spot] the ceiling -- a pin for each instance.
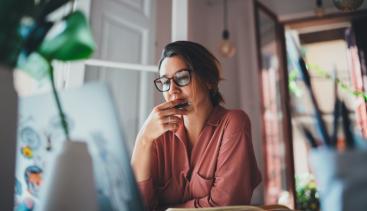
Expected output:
(288, 9)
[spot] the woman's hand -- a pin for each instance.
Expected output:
(164, 117)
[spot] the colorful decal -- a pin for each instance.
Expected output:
(27, 152)
(33, 178)
(40, 138)
(26, 205)
(30, 137)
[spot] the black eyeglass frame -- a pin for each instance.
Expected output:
(174, 80)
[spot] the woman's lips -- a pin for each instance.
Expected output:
(182, 105)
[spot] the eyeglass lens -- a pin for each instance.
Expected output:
(181, 78)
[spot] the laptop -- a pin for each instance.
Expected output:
(92, 117)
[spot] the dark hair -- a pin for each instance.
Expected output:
(200, 61)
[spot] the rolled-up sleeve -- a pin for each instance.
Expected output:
(147, 187)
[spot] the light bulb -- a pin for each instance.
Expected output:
(319, 11)
(227, 49)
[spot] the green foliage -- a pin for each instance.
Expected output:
(307, 194)
(73, 42)
(292, 83)
(11, 13)
(324, 74)
(320, 72)
(23, 28)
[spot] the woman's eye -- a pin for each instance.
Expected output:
(165, 82)
(183, 79)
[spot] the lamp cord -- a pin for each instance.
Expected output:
(319, 3)
(225, 18)
(225, 33)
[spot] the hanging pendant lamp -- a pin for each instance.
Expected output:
(226, 47)
(319, 10)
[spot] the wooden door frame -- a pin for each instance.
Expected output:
(286, 127)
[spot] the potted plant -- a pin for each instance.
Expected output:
(25, 31)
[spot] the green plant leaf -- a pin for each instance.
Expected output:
(69, 40)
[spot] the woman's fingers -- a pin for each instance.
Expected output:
(172, 111)
(163, 118)
(169, 104)
(170, 119)
(171, 126)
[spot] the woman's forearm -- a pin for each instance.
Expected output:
(141, 159)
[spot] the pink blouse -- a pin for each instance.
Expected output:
(219, 170)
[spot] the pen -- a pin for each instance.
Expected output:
(311, 140)
(320, 121)
(336, 115)
(349, 140)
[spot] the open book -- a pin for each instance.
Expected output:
(227, 208)
(233, 208)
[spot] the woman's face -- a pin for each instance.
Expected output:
(194, 93)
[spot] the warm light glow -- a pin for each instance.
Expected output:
(227, 49)
(319, 11)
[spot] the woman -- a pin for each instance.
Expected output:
(192, 152)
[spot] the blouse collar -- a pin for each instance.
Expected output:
(216, 115)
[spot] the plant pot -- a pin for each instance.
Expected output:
(70, 183)
(8, 128)
(341, 178)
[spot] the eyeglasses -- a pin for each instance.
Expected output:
(181, 78)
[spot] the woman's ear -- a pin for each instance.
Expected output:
(209, 86)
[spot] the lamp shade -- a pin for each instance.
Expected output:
(347, 5)
(70, 183)
(68, 40)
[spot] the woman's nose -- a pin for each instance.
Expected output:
(174, 88)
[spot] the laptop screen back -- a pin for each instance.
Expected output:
(92, 118)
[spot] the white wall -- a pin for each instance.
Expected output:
(163, 35)
(163, 26)
(240, 87)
